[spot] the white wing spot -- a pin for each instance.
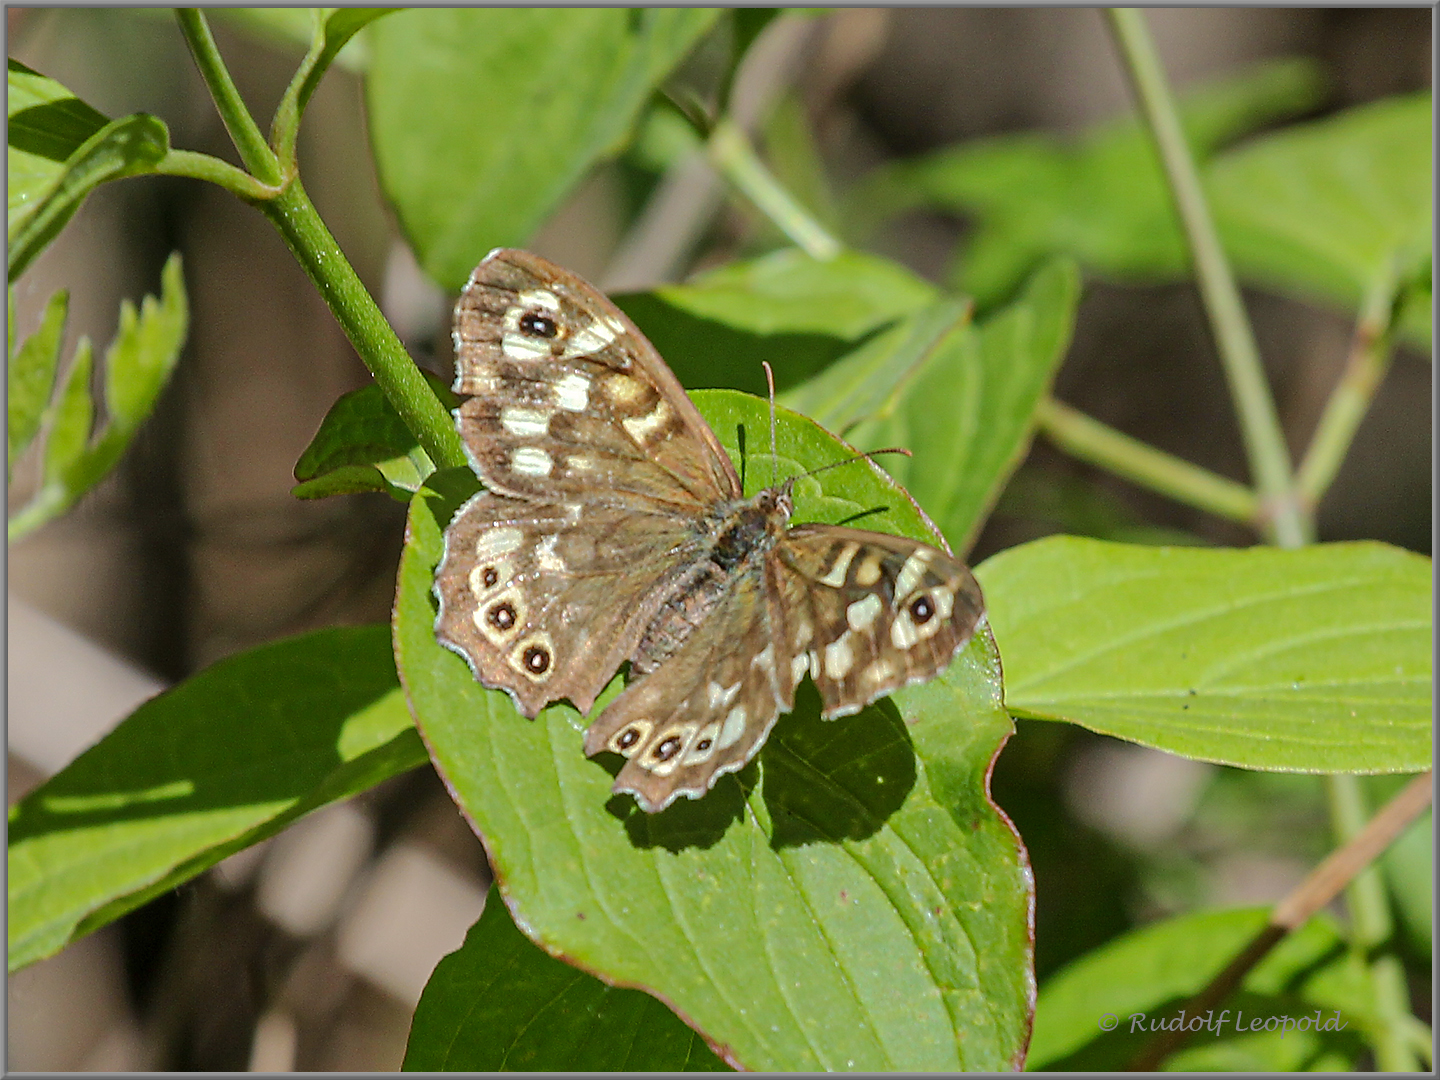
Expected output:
(880, 672)
(533, 298)
(835, 576)
(868, 572)
(733, 728)
(531, 460)
(839, 657)
(719, 697)
(803, 633)
(624, 390)
(590, 340)
(526, 423)
(911, 573)
(580, 463)
(642, 427)
(520, 347)
(765, 658)
(497, 543)
(799, 665)
(572, 393)
(862, 613)
(903, 632)
(545, 556)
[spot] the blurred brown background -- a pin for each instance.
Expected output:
(310, 951)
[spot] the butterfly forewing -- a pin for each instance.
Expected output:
(875, 612)
(570, 401)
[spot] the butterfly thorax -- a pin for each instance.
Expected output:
(732, 535)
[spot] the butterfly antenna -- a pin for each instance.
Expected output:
(774, 456)
(869, 454)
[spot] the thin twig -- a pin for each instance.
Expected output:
(1321, 886)
(1088, 439)
(1285, 520)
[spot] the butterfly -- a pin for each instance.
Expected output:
(614, 528)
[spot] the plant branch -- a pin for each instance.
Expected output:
(1284, 519)
(735, 159)
(1365, 367)
(1371, 929)
(1089, 440)
(204, 167)
(359, 316)
(254, 151)
(1318, 889)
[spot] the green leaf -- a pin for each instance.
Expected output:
(852, 899)
(70, 419)
(507, 109)
(130, 146)
(30, 378)
(227, 758)
(363, 445)
(1332, 209)
(1148, 974)
(960, 397)
(1103, 200)
(499, 1003)
(799, 313)
(1315, 660)
(47, 124)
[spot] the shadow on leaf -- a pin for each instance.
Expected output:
(685, 823)
(833, 780)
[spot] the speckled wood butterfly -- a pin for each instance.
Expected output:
(615, 528)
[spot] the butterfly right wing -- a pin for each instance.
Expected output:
(707, 709)
(544, 602)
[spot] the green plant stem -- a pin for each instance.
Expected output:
(1089, 440)
(1365, 367)
(1284, 519)
(359, 316)
(735, 159)
(204, 167)
(1371, 930)
(254, 151)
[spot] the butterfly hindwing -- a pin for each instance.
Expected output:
(875, 612)
(546, 604)
(570, 402)
(707, 709)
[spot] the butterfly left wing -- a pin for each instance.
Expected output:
(875, 612)
(707, 709)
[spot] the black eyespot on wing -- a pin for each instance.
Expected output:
(538, 324)
(489, 576)
(703, 745)
(667, 749)
(502, 616)
(922, 610)
(628, 738)
(537, 659)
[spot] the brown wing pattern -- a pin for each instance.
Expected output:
(571, 402)
(707, 709)
(875, 612)
(546, 605)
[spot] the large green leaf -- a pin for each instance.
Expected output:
(1095, 1013)
(1316, 660)
(501, 1004)
(59, 150)
(30, 376)
(138, 365)
(226, 758)
(799, 314)
(1103, 200)
(363, 445)
(851, 900)
(483, 120)
(966, 410)
(1334, 209)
